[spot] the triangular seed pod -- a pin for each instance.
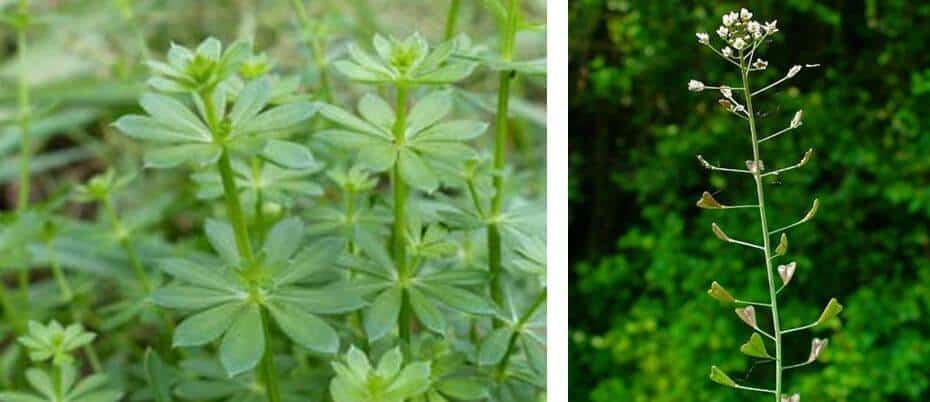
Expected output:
(792, 398)
(718, 292)
(833, 308)
(817, 346)
(755, 347)
(806, 158)
(704, 162)
(748, 315)
(708, 201)
(719, 232)
(782, 247)
(813, 211)
(786, 272)
(719, 377)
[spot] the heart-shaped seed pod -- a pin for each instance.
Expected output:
(748, 315)
(817, 346)
(787, 271)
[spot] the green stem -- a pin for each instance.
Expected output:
(234, 208)
(511, 345)
(269, 373)
(25, 115)
(259, 200)
(500, 145)
(399, 229)
(60, 278)
(125, 241)
(452, 18)
(766, 240)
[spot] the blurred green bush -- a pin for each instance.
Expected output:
(642, 327)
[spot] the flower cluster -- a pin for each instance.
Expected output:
(741, 32)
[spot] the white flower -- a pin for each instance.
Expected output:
(726, 91)
(722, 32)
(745, 14)
(703, 38)
(792, 398)
(760, 64)
(770, 27)
(727, 51)
(796, 121)
(695, 86)
(794, 71)
(739, 43)
(755, 29)
(730, 18)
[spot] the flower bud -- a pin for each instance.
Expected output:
(755, 347)
(707, 201)
(718, 292)
(796, 121)
(703, 38)
(782, 247)
(833, 308)
(787, 271)
(719, 377)
(794, 71)
(695, 86)
(748, 315)
(817, 346)
(719, 232)
(792, 398)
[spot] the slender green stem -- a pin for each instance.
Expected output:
(60, 278)
(259, 200)
(500, 145)
(25, 115)
(234, 207)
(811, 325)
(518, 328)
(766, 240)
(269, 372)
(452, 18)
(399, 229)
(125, 241)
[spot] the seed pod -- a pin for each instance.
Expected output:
(786, 272)
(782, 247)
(708, 201)
(833, 308)
(719, 377)
(719, 232)
(718, 292)
(813, 211)
(817, 346)
(748, 315)
(797, 120)
(794, 71)
(704, 162)
(755, 347)
(806, 158)
(792, 398)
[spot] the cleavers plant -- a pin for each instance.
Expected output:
(742, 37)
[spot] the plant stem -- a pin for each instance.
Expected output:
(452, 18)
(125, 241)
(66, 293)
(399, 230)
(269, 373)
(25, 115)
(259, 200)
(511, 345)
(766, 240)
(500, 144)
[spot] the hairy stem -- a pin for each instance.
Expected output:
(766, 240)
(268, 372)
(452, 18)
(399, 230)
(500, 144)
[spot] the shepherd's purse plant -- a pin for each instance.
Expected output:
(742, 37)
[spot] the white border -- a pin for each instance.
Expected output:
(557, 198)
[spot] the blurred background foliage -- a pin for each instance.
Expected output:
(642, 327)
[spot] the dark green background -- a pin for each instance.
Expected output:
(642, 327)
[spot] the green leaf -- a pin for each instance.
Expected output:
(413, 380)
(459, 130)
(190, 297)
(376, 111)
(455, 277)
(304, 328)
(346, 119)
(244, 342)
(148, 129)
(206, 326)
(428, 314)
(447, 74)
(157, 375)
(378, 156)
(19, 397)
(283, 240)
(381, 316)
(252, 99)
(319, 255)
(279, 118)
(223, 239)
(390, 363)
(458, 299)
(428, 111)
(467, 389)
(288, 154)
(40, 381)
(172, 156)
(187, 271)
(755, 347)
(416, 172)
(321, 301)
(175, 114)
(494, 346)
